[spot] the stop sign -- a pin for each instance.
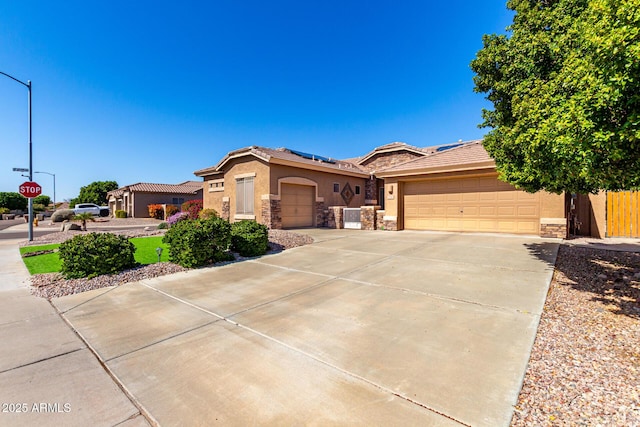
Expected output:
(30, 189)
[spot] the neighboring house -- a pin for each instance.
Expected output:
(135, 198)
(447, 188)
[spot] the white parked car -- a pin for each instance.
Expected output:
(92, 209)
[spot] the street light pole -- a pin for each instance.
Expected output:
(54, 185)
(28, 85)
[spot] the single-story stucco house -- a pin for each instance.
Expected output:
(453, 187)
(135, 198)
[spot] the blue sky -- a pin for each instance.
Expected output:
(149, 91)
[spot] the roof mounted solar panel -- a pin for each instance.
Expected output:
(312, 156)
(447, 147)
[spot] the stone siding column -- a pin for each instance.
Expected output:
(321, 215)
(335, 219)
(368, 217)
(370, 195)
(271, 211)
(226, 209)
(555, 228)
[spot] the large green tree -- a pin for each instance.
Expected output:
(13, 201)
(96, 192)
(565, 87)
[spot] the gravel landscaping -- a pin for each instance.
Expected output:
(584, 369)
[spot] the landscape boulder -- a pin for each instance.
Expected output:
(67, 226)
(62, 215)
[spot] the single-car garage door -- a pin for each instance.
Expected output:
(297, 203)
(482, 204)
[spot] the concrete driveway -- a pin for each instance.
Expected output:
(359, 328)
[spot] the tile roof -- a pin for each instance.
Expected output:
(187, 187)
(466, 153)
(285, 154)
(393, 146)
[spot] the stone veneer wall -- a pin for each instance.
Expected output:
(370, 191)
(388, 224)
(334, 217)
(226, 209)
(553, 227)
(271, 211)
(321, 215)
(368, 217)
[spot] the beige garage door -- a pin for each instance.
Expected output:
(482, 204)
(297, 202)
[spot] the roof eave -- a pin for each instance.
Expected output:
(320, 167)
(488, 164)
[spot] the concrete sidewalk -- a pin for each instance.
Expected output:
(48, 376)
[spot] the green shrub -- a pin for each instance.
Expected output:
(163, 225)
(37, 207)
(194, 243)
(93, 254)
(249, 238)
(208, 213)
(4, 211)
(121, 214)
(13, 201)
(42, 200)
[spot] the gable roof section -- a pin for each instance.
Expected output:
(389, 148)
(468, 155)
(187, 187)
(284, 156)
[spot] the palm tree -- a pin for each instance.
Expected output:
(83, 217)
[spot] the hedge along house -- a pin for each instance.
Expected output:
(446, 188)
(282, 188)
(134, 199)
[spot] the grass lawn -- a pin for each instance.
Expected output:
(50, 263)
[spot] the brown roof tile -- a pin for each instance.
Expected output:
(267, 154)
(187, 187)
(465, 154)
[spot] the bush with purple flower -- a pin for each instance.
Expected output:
(177, 217)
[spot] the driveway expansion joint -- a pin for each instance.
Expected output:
(41, 360)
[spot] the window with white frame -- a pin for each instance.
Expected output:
(244, 196)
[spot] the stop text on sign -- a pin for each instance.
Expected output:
(30, 189)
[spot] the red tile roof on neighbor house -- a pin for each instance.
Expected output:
(465, 154)
(187, 187)
(271, 155)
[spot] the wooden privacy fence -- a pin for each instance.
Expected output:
(623, 214)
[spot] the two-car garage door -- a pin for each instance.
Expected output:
(482, 204)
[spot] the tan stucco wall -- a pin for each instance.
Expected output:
(598, 214)
(551, 205)
(238, 167)
(324, 182)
